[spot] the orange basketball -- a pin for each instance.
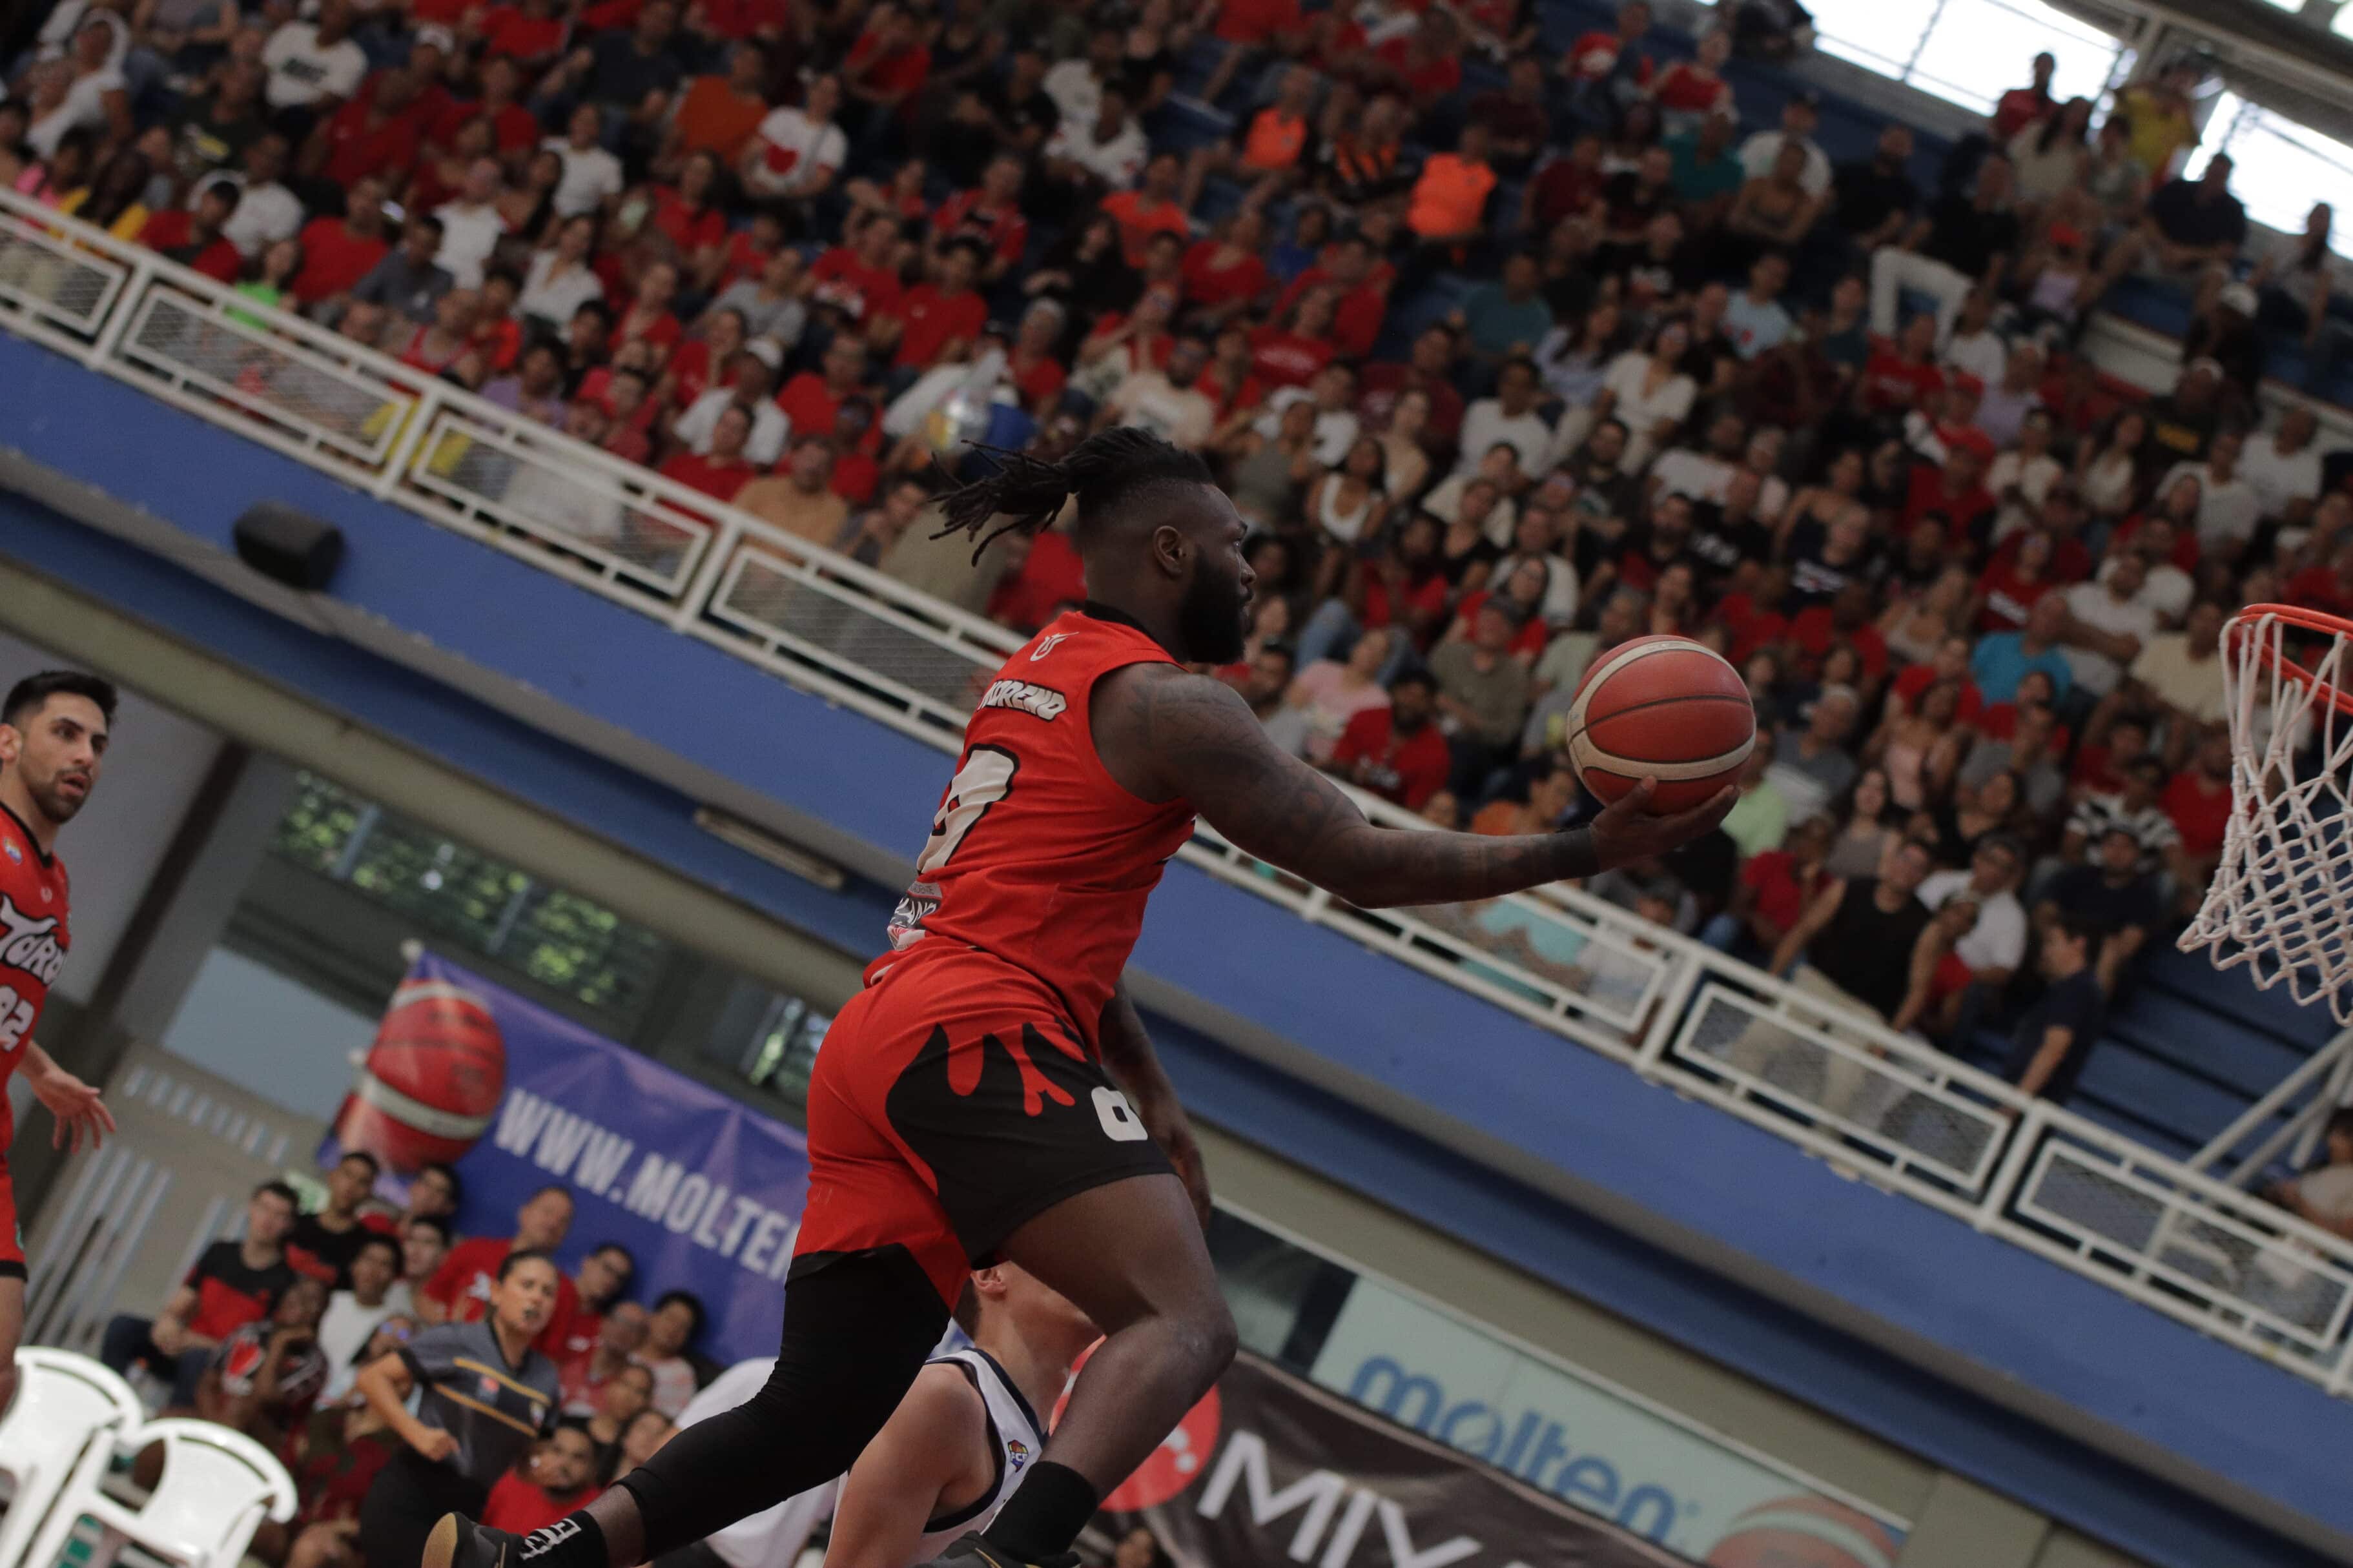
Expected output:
(1664, 708)
(1805, 1532)
(432, 1080)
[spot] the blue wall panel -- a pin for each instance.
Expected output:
(1923, 1274)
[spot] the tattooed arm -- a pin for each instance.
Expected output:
(1165, 733)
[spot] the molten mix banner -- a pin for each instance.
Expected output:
(704, 1191)
(1269, 1468)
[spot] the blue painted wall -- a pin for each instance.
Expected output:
(1924, 1275)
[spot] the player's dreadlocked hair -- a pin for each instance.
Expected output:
(1028, 494)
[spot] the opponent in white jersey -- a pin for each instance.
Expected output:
(967, 1431)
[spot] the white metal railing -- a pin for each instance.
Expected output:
(1891, 1108)
(2322, 1083)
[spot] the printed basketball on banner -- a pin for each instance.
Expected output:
(432, 1080)
(1805, 1532)
(1173, 1466)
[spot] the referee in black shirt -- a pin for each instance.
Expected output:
(488, 1396)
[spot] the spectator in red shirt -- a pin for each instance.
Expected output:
(718, 474)
(859, 280)
(337, 252)
(1956, 491)
(1150, 208)
(514, 129)
(688, 213)
(192, 235)
(460, 1291)
(1044, 580)
(1613, 62)
(812, 399)
(1904, 375)
(1428, 62)
(380, 132)
(1428, 370)
(991, 214)
(1359, 280)
(939, 320)
(1774, 887)
(887, 67)
(1225, 274)
(233, 1283)
(1248, 28)
(2023, 106)
(559, 1476)
(1289, 354)
(2199, 802)
(1397, 752)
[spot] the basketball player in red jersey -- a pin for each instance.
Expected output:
(52, 738)
(991, 1093)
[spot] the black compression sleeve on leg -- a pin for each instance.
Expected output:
(1045, 1515)
(857, 1329)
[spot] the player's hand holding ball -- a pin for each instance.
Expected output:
(1628, 830)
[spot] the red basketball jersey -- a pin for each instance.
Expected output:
(33, 942)
(1037, 854)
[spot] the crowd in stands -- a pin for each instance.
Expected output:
(276, 1334)
(1509, 354)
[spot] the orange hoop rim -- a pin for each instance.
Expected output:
(2246, 621)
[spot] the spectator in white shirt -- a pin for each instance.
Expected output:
(1702, 476)
(1077, 85)
(375, 1293)
(267, 212)
(84, 89)
(1334, 395)
(1166, 402)
(1996, 945)
(561, 279)
(314, 66)
(2109, 624)
(592, 176)
(2006, 404)
(471, 227)
(1109, 148)
(797, 152)
(2285, 466)
(2229, 508)
(1798, 118)
(2167, 588)
(1509, 417)
(755, 377)
(2020, 478)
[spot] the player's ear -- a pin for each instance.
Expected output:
(12, 741)
(1170, 549)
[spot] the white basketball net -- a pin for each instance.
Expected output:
(2282, 899)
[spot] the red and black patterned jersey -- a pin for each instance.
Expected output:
(231, 1292)
(1038, 854)
(34, 936)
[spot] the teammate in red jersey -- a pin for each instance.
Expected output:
(53, 732)
(968, 1104)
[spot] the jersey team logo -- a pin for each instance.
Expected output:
(1047, 645)
(30, 943)
(14, 853)
(487, 1386)
(1016, 1453)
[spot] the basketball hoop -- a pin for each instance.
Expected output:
(2282, 899)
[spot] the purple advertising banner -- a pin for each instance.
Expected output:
(704, 1191)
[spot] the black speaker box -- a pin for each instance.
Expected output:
(289, 546)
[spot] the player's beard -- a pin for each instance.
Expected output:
(54, 802)
(1211, 618)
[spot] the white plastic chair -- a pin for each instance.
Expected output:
(58, 1436)
(216, 1488)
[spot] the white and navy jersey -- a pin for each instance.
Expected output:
(1014, 1440)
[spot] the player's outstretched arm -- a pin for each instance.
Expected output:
(906, 1475)
(1179, 735)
